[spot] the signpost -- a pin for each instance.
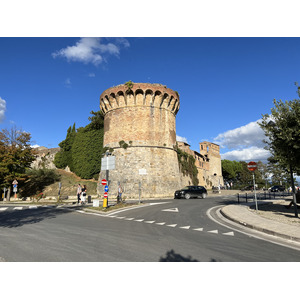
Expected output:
(15, 187)
(252, 166)
(104, 182)
(108, 162)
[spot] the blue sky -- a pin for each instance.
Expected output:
(225, 84)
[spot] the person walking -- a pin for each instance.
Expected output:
(79, 191)
(120, 191)
(83, 194)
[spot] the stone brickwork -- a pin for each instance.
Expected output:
(139, 124)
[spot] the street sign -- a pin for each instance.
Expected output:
(104, 182)
(108, 163)
(106, 188)
(105, 195)
(252, 166)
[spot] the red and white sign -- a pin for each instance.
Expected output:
(105, 195)
(252, 166)
(104, 182)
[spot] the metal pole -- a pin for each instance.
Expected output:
(140, 187)
(294, 192)
(254, 191)
(107, 179)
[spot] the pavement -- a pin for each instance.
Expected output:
(240, 214)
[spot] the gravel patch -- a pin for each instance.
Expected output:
(277, 211)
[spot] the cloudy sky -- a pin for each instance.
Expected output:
(225, 83)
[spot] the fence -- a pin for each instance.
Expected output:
(262, 196)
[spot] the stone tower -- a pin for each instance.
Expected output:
(139, 124)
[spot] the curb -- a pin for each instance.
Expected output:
(225, 211)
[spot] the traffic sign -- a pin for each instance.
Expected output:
(104, 182)
(106, 188)
(105, 195)
(252, 166)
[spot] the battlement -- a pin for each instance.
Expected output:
(139, 94)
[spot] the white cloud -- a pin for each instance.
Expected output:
(91, 50)
(181, 139)
(247, 154)
(68, 82)
(2, 109)
(92, 75)
(35, 146)
(245, 136)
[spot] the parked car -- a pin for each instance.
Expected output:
(191, 191)
(277, 188)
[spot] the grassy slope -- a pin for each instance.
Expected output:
(69, 185)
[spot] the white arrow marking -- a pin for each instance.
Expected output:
(140, 220)
(19, 208)
(171, 209)
(172, 225)
(129, 219)
(32, 207)
(149, 222)
(214, 231)
(229, 233)
(185, 227)
(198, 229)
(3, 208)
(160, 223)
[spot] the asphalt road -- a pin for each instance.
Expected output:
(169, 230)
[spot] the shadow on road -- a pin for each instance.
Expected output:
(172, 256)
(14, 219)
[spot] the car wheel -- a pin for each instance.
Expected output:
(187, 196)
(204, 195)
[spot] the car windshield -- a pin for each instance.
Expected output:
(186, 188)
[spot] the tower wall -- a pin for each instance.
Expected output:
(142, 117)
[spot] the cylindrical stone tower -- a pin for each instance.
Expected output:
(139, 124)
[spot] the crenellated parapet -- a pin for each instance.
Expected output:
(139, 94)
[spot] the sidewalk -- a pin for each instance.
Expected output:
(241, 214)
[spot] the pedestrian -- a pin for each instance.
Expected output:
(120, 191)
(79, 191)
(83, 194)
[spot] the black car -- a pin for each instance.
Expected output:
(191, 191)
(277, 188)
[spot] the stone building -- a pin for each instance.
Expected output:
(139, 125)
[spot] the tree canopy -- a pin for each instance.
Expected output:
(16, 155)
(82, 149)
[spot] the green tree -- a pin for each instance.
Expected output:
(16, 155)
(282, 129)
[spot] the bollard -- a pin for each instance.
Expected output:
(89, 199)
(238, 197)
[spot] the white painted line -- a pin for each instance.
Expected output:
(172, 225)
(18, 208)
(32, 207)
(229, 233)
(140, 220)
(185, 227)
(198, 229)
(175, 209)
(129, 219)
(112, 216)
(149, 222)
(161, 223)
(120, 217)
(213, 231)
(3, 208)
(158, 203)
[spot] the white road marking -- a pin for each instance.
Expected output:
(120, 217)
(198, 229)
(185, 227)
(140, 220)
(175, 209)
(213, 231)
(158, 203)
(172, 225)
(161, 223)
(3, 208)
(129, 219)
(32, 207)
(229, 233)
(18, 208)
(149, 222)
